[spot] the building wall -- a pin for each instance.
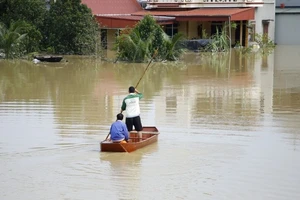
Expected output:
(183, 27)
(111, 38)
(193, 29)
(287, 29)
(206, 26)
(267, 12)
(288, 3)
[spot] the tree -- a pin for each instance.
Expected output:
(11, 38)
(140, 43)
(174, 47)
(32, 39)
(70, 28)
(32, 11)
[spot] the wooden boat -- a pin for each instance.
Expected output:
(49, 58)
(149, 136)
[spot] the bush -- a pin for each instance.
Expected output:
(140, 43)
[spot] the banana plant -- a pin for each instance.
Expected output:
(11, 39)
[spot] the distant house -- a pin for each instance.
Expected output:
(287, 22)
(193, 18)
(115, 15)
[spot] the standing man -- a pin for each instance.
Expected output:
(131, 103)
(118, 130)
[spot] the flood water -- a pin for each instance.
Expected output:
(229, 128)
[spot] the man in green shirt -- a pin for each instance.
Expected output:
(131, 103)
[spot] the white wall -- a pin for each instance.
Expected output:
(287, 29)
(264, 13)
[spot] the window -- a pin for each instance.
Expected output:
(104, 38)
(216, 26)
(171, 29)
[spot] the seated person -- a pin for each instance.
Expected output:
(118, 130)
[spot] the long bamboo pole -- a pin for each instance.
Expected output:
(153, 56)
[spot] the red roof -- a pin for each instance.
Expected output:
(123, 13)
(208, 13)
(123, 21)
(139, 17)
(109, 7)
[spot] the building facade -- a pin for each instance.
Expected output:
(196, 19)
(210, 11)
(287, 20)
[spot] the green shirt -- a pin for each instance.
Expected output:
(131, 104)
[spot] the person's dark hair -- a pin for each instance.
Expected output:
(131, 89)
(120, 116)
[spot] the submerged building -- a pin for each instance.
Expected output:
(287, 22)
(196, 19)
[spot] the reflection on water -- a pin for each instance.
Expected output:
(126, 171)
(229, 128)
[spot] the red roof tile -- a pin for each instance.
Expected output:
(123, 21)
(234, 13)
(111, 7)
(139, 17)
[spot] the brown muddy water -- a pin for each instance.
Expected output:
(229, 128)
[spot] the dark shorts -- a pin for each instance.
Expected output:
(134, 121)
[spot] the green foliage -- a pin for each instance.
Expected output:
(33, 38)
(140, 43)
(132, 47)
(265, 43)
(146, 27)
(174, 47)
(26, 13)
(220, 42)
(70, 28)
(67, 28)
(233, 25)
(50, 50)
(11, 39)
(159, 42)
(244, 50)
(32, 11)
(204, 34)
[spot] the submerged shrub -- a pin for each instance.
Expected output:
(140, 43)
